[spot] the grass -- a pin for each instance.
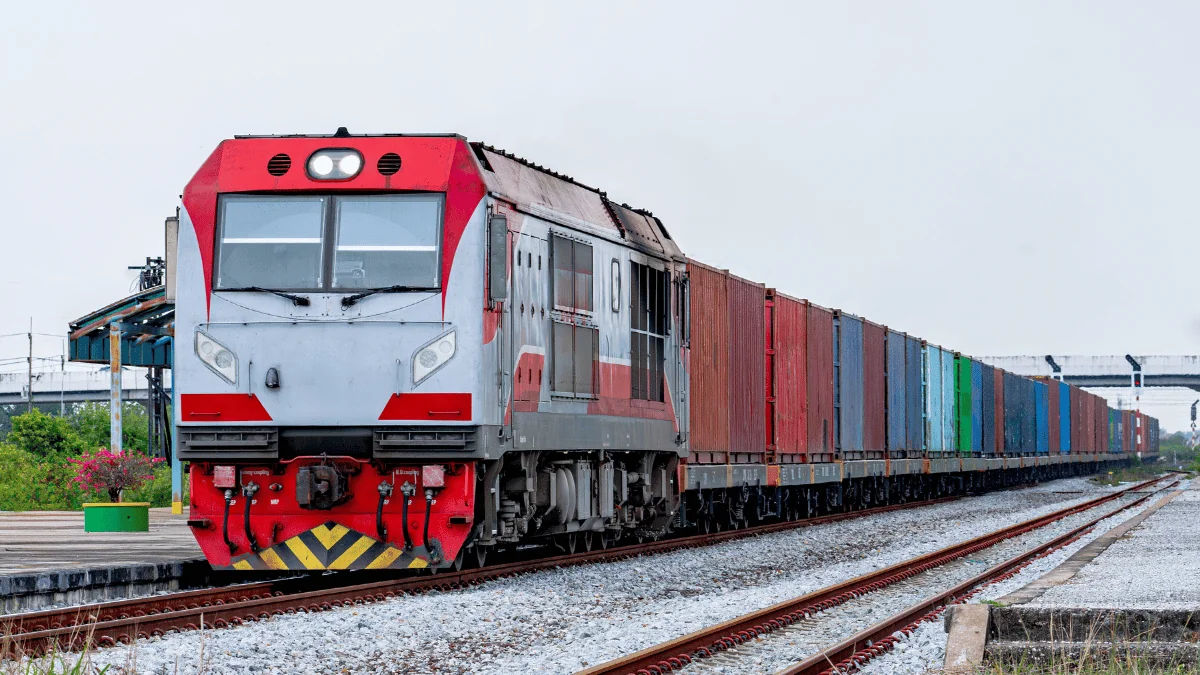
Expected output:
(1132, 474)
(1110, 665)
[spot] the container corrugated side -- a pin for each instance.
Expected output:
(1079, 440)
(934, 443)
(914, 366)
(998, 385)
(1088, 418)
(897, 420)
(747, 352)
(1041, 395)
(820, 384)
(1012, 416)
(963, 405)
(790, 378)
(977, 394)
(1053, 426)
(709, 365)
(987, 388)
(1065, 434)
(874, 391)
(848, 384)
(948, 407)
(1127, 431)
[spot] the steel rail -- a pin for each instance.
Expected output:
(679, 652)
(122, 621)
(850, 654)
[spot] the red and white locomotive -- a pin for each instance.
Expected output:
(393, 349)
(409, 351)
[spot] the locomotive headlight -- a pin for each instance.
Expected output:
(433, 355)
(219, 358)
(334, 164)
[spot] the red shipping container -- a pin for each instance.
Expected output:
(820, 384)
(708, 364)
(874, 391)
(1053, 417)
(1102, 424)
(1089, 420)
(998, 387)
(1127, 431)
(790, 379)
(1078, 437)
(747, 354)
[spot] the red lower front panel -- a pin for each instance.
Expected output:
(346, 536)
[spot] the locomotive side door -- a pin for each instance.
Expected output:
(530, 317)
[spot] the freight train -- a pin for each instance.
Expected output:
(413, 351)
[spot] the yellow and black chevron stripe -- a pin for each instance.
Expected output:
(331, 547)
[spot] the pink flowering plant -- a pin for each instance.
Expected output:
(104, 471)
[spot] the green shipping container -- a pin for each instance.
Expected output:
(962, 408)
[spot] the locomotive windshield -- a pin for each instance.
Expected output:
(328, 243)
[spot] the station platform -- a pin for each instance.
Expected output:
(46, 559)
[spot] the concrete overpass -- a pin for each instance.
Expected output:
(1106, 371)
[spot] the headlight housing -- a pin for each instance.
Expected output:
(219, 358)
(334, 164)
(431, 356)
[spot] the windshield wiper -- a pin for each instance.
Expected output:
(351, 299)
(298, 300)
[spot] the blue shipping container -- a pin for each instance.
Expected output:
(988, 387)
(914, 392)
(848, 382)
(948, 401)
(896, 420)
(977, 407)
(1064, 418)
(1042, 410)
(933, 400)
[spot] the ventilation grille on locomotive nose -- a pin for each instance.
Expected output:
(389, 164)
(279, 164)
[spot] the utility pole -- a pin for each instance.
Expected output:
(29, 383)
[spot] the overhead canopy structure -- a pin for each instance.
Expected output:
(147, 324)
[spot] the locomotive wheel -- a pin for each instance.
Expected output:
(706, 524)
(459, 559)
(480, 556)
(589, 540)
(600, 539)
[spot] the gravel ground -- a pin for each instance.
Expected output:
(562, 620)
(777, 650)
(1152, 567)
(925, 651)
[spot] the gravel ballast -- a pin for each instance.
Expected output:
(563, 620)
(925, 650)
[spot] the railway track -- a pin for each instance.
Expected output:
(120, 622)
(805, 620)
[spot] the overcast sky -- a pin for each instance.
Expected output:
(1009, 179)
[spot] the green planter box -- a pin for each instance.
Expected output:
(123, 517)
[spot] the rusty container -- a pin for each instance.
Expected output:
(1052, 415)
(747, 352)
(790, 379)
(1089, 421)
(895, 384)
(820, 384)
(1127, 431)
(709, 361)
(874, 391)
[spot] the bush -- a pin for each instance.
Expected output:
(43, 435)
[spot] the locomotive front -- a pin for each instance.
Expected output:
(331, 351)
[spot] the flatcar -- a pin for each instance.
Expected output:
(411, 351)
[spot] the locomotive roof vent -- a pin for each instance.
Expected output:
(279, 164)
(389, 164)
